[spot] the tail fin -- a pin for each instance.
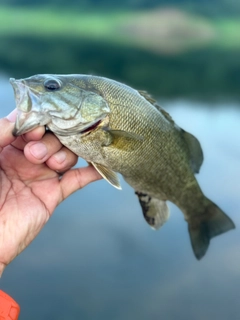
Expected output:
(202, 228)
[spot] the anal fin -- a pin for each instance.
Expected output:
(108, 175)
(155, 211)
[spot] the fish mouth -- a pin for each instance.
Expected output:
(28, 115)
(91, 127)
(26, 122)
(86, 129)
(21, 94)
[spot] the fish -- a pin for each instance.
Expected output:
(118, 129)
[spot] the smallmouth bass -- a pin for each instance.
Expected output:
(119, 129)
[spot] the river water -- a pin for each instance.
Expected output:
(98, 259)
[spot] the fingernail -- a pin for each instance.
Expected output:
(60, 156)
(38, 150)
(12, 116)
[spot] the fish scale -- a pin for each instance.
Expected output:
(121, 130)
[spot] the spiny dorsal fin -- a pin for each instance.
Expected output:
(165, 113)
(155, 211)
(149, 98)
(108, 175)
(194, 149)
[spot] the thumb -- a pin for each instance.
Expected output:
(6, 128)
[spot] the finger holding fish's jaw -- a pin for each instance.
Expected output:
(21, 141)
(49, 150)
(35, 134)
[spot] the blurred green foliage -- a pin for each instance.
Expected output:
(169, 52)
(204, 73)
(213, 7)
(139, 28)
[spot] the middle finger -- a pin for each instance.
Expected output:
(40, 151)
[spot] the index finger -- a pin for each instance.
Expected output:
(35, 134)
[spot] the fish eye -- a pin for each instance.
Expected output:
(51, 85)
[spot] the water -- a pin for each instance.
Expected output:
(98, 259)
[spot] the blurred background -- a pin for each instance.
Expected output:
(169, 47)
(96, 258)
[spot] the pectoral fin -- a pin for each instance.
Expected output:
(125, 134)
(155, 211)
(121, 139)
(108, 175)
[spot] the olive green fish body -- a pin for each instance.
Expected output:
(162, 139)
(119, 129)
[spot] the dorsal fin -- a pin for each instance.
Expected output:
(194, 149)
(149, 98)
(165, 113)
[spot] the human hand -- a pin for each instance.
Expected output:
(31, 186)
